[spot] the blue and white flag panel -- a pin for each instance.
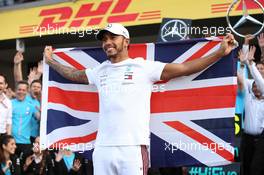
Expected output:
(192, 117)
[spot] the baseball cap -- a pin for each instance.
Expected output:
(115, 28)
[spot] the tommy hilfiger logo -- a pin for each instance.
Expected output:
(128, 76)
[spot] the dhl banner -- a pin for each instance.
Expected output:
(94, 14)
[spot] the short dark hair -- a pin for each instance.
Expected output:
(260, 62)
(22, 82)
(35, 81)
(2, 75)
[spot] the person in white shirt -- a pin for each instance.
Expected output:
(245, 49)
(5, 109)
(124, 87)
(252, 143)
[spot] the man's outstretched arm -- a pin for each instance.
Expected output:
(67, 72)
(173, 70)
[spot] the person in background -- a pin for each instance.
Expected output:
(260, 64)
(5, 109)
(34, 95)
(68, 162)
(252, 142)
(39, 163)
(9, 162)
(22, 113)
(261, 45)
(240, 93)
(33, 98)
(9, 93)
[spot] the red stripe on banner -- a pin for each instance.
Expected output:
(26, 29)
(149, 12)
(193, 99)
(83, 101)
(218, 149)
(30, 31)
(72, 141)
(150, 15)
(217, 5)
(218, 11)
(137, 50)
(203, 50)
(70, 60)
(29, 26)
(219, 8)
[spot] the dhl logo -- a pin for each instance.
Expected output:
(90, 14)
(222, 8)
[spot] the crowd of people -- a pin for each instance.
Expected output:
(252, 141)
(20, 126)
(13, 2)
(20, 116)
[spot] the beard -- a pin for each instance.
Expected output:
(114, 50)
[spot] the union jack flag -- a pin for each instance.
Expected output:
(192, 118)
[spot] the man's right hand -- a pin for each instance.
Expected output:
(67, 72)
(48, 54)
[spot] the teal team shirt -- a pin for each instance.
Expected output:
(68, 160)
(35, 123)
(22, 114)
(8, 172)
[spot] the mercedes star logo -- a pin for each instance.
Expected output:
(245, 17)
(174, 30)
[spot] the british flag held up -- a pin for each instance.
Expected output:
(192, 117)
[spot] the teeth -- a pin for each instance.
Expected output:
(109, 48)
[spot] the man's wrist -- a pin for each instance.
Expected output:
(219, 53)
(51, 60)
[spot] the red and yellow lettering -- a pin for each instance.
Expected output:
(64, 14)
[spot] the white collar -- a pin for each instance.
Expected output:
(3, 101)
